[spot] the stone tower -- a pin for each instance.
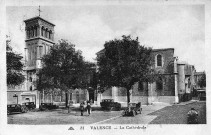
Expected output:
(39, 40)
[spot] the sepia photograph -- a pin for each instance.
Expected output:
(106, 66)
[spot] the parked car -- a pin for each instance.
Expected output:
(11, 108)
(109, 104)
(48, 106)
(133, 109)
(201, 94)
(29, 105)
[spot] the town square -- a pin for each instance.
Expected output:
(106, 64)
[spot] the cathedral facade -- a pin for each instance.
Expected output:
(175, 84)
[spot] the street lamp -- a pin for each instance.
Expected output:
(16, 96)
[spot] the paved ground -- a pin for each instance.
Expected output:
(158, 113)
(177, 114)
(61, 116)
(143, 118)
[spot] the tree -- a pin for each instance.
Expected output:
(123, 63)
(202, 81)
(14, 66)
(63, 68)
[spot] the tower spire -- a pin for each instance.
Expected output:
(39, 10)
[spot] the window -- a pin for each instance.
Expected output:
(46, 33)
(35, 31)
(30, 88)
(159, 60)
(32, 32)
(50, 34)
(40, 50)
(189, 83)
(28, 33)
(42, 31)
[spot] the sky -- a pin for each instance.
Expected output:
(181, 27)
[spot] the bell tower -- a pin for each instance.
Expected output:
(39, 40)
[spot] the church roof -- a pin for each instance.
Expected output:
(38, 17)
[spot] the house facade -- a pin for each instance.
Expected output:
(175, 84)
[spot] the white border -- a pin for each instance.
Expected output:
(6, 129)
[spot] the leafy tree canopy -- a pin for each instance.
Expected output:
(14, 66)
(64, 68)
(202, 81)
(123, 63)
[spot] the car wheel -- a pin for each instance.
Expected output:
(22, 110)
(123, 113)
(26, 110)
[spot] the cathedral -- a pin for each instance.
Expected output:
(176, 85)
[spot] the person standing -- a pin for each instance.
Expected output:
(82, 108)
(88, 108)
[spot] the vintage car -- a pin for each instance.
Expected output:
(29, 105)
(48, 106)
(201, 94)
(109, 104)
(133, 109)
(14, 108)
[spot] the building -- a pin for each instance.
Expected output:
(197, 77)
(39, 40)
(175, 85)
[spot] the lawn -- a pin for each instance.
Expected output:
(177, 114)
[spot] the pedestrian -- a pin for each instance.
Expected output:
(192, 116)
(88, 108)
(82, 108)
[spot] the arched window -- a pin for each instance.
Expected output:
(30, 88)
(159, 60)
(42, 31)
(50, 34)
(46, 33)
(35, 31)
(32, 31)
(28, 33)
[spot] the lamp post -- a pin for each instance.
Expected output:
(16, 96)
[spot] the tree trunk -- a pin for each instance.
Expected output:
(66, 97)
(128, 97)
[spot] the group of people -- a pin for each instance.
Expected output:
(88, 107)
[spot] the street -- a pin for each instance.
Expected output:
(157, 113)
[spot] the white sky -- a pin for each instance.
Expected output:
(88, 27)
